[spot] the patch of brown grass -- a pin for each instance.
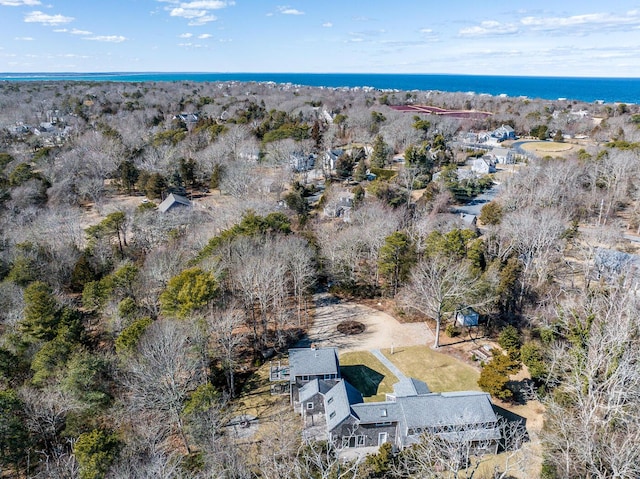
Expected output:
(440, 371)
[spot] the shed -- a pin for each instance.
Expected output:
(467, 316)
(173, 201)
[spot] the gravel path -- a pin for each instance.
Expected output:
(382, 330)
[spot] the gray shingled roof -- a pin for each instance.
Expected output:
(374, 412)
(313, 362)
(338, 402)
(410, 387)
(312, 388)
(447, 409)
(171, 201)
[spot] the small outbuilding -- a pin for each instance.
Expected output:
(467, 316)
(173, 201)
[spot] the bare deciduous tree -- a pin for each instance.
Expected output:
(162, 373)
(225, 326)
(592, 427)
(438, 284)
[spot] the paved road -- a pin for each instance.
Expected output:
(474, 206)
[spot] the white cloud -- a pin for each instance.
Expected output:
(368, 33)
(187, 12)
(108, 38)
(426, 30)
(24, 39)
(197, 11)
(186, 35)
(71, 55)
(207, 4)
(596, 21)
(489, 28)
(73, 31)
(19, 3)
(289, 11)
(327, 25)
(40, 17)
(196, 22)
(204, 36)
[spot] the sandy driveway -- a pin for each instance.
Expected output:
(382, 330)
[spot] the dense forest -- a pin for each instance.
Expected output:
(130, 335)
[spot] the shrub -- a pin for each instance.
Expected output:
(531, 356)
(509, 340)
(188, 291)
(451, 330)
(129, 337)
(95, 452)
(494, 377)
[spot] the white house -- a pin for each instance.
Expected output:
(503, 155)
(505, 132)
(483, 166)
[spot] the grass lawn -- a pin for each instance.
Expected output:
(256, 399)
(441, 372)
(548, 147)
(368, 375)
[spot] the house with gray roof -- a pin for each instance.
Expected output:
(483, 166)
(173, 201)
(504, 132)
(310, 364)
(328, 402)
(408, 387)
(503, 155)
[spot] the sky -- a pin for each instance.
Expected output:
(541, 38)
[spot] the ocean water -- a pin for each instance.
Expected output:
(609, 90)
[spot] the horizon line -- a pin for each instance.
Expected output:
(159, 72)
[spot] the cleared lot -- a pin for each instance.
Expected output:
(382, 331)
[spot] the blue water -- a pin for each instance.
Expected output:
(610, 90)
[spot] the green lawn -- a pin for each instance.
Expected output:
(441, 372)
(368, 375)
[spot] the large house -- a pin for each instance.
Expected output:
(504, 132)
(310, 365)
(483, 166)
(325, 399)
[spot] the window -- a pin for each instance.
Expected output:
(332, 415)
(383, 413)
(305, 378)
(386, 423)
(328, 376)
(360, 440)
(309, 405)
(330, 400)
